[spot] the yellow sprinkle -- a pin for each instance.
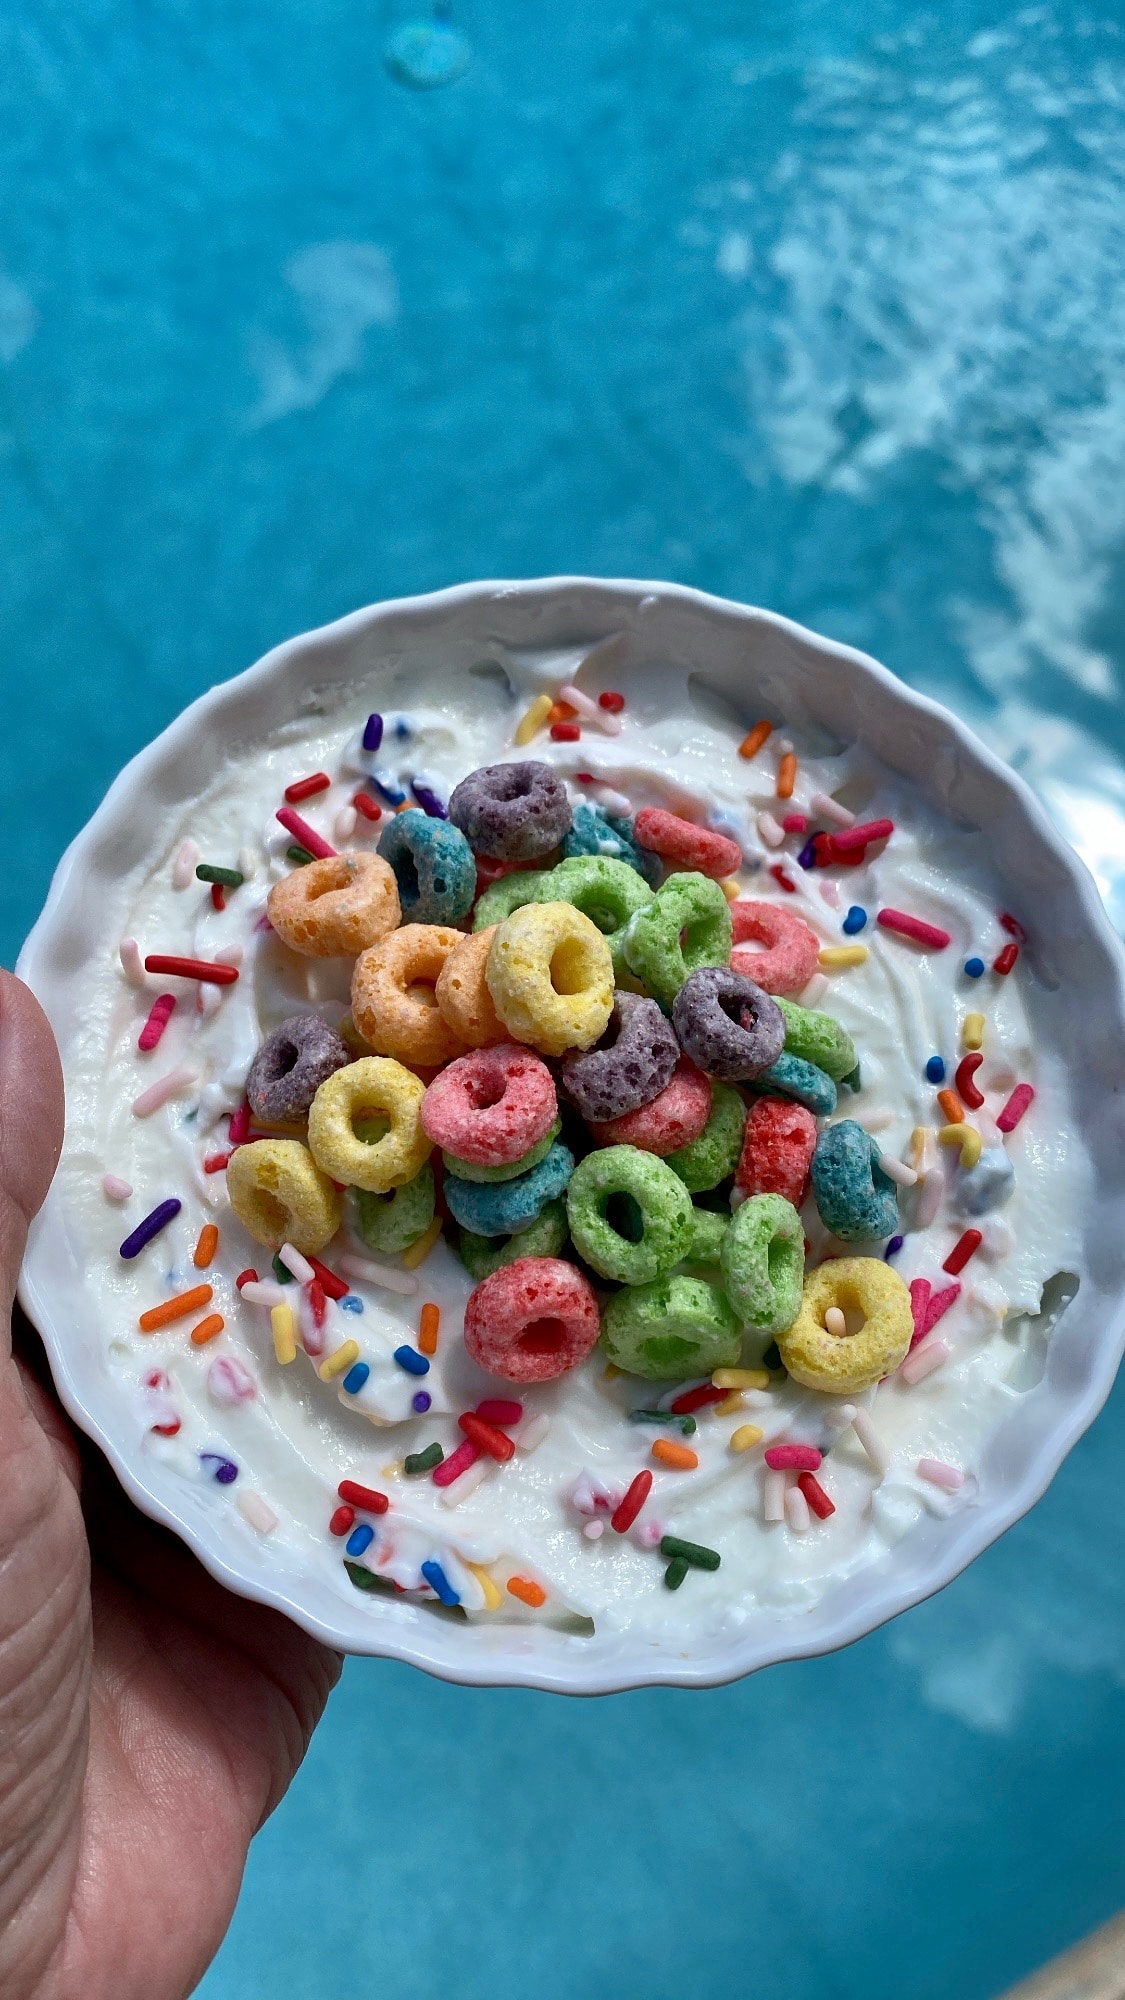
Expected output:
(284, 1333)
(965, 1136)
(729, 1404)
(731, 889)
(745, 1436)
(917, 1146)
(740, 1378)
(835, 957)
(532, 722)
(418, 1252)
(493, 1598)
(972, 1031)
(612, 1371)
(338, 1363)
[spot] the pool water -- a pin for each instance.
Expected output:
(817, 305)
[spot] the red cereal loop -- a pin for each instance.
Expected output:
(672, 1119)
(492, 1106)
(532, 1321)
(791, 950)
(777, 1148)
(685, 846)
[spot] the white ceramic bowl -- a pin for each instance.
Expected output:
(765, 663)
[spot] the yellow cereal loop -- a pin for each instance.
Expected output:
(550, 973)
(394, 1004)
(336, 907)
(377, 1091)
(463, 995)
(280, 1195)
(873, 1299)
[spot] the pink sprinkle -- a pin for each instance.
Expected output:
(862, 836)
(913, 927)
(163, 1009)
(228, 1381)
(304, 833)
(923, 1361)
(239, 1130)
(498, 1410)
(796, 823)
(458, 1462)
(183, 868)
(1020, 1100)
(257, 1512)
(920, 1289)
(158, 1093)
(594, 1530)
(830, 894)
(793, 1458)
(114, 1188)
(129, 952)
(940, 1474)
(830, 808)
(939, 1305)
(770, 829)
(773, 1496)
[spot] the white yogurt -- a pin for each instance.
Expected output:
(293, 1437)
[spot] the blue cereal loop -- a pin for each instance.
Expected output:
(855, 1199)
(503, 1208)
(433, 865)
(592, 831)
(801, 1080)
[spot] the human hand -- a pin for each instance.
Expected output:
(149, 1720)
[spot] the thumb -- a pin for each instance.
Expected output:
(31, 1121)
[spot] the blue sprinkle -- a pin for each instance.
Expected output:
(438, 1581)
(392, 791)
(351, 1302)
(422, 1401)
(893, 1248)
(855, 920)
(974, 968)
(402, 729)
(373, 732)
(935, 1070)
(226, 1471)
(807, 857)
(413, 1362)
(356, 1377)
(360, 1539)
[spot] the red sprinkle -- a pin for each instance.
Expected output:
(609, 698)
(334, 1286)
(816, 1496)
(913, 927)
(304, 833)
(495, 1442)
(793, 1458)
(369, 807)
(1022, 1096)
(939, 1305)
(697, 1399)
(305, 787)
(459, 1461)
(965, 1247)
(317, 1302)
(498, 1410)
(966, 1088)
(191, 968)
(783, 879)
(584, 778)
(565, 732)
(163, 1007)
(341, 1521)
(796, 823)
(1013, 926)
(239, 1130)
(822, 849)
(626, 1512)
(371, 1501)
(247, 1277)
(215, 1163)
(1005, 958)
(218, 896)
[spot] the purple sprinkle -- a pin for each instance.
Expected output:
(151, 1226)
(428, 800)
(422, 1401)
(373, 732)
(893, 1248)
(807, 857)
(226, 1471)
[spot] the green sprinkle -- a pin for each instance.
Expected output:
(689, 1552)
(685, 1422)
(298, 854)
(282, 1272)
(771, 1359)
(363, 1579)
(853, 1079)
(423, 1461)
(231, 878)
(675, 1572)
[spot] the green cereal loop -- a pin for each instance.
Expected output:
(817, 1038)
(662, 1212)
(796, 1078)
(709, 1231)
(763, 1263)
(608, 892)
(710, 1158)
(467, 1170)
(670, 1328)
(510, 892)
(687, 925)
(389, 1223)
(481, 1255)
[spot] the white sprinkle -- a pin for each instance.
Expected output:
(830, 808)
(132, 964)
(158, 1093)
(897, 1170)
(260, 1515)
(114, 1188)
(615, 803)
(466, 1485)
(594, 1530)
(940, 1474)
(208, 1000)
(183, 867)
(871, 1441)
(815, 990)
(835, 1323)
(345, 823)
(929, 1199)
(247, 863)
(293, 1261)
(928, 1355)
(773, 1495)
(796, 1510)
(370, 1273)
(875, 1120)
(770, 829)
(532, 1432)
(830, 894)
(264, 1292)
(579, 702)
(650, 1534)
(784, 746)
(229, 954)
(737, 1196)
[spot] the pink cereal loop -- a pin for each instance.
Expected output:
(532, 1321)
(491, 1106)
(790, 951)
(682, 845)
(673, 1119)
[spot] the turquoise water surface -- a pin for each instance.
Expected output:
(818, 305)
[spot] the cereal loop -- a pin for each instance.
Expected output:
(491, 1106)
(684, 846)
(532, 1320)
(816, 1038)
(503, 1208)
(393, 1001)
(594, 831)
(280, 1195)
(551, 977)
(686, 926)
(855, 1198)
(706, 1161)
(866, 1290)
(336, 907)
(462, 994)
(510, 892)
(609, 1082)
(481, 1255)
(727, 1025)
(673, 1327)
(763, 1263)
(390, 1223)
(671, 1121)
(468, 1170)
(290, 1067)
(631, 1217)
(374, 1089)
(777, 1148)
(433, 865)
(608, 892)
(790, 951)
(516, 812)
(803, 1081)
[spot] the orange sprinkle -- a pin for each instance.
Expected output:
(786, 775)
(206, 1247)
(177, 1308)
(680, 1456)
(754, 739)
(561, 711)
(207, 1329)
(528, 1592)
(428, 1324)
(952, 1106)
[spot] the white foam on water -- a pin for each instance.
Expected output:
(19, 318)
(342, 290)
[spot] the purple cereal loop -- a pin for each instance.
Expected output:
(290, 1067)
(728, 1026)
(512, 812)
(632, 1069)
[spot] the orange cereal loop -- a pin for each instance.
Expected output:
(394, 1004)
(335, 908)
(463, 995)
